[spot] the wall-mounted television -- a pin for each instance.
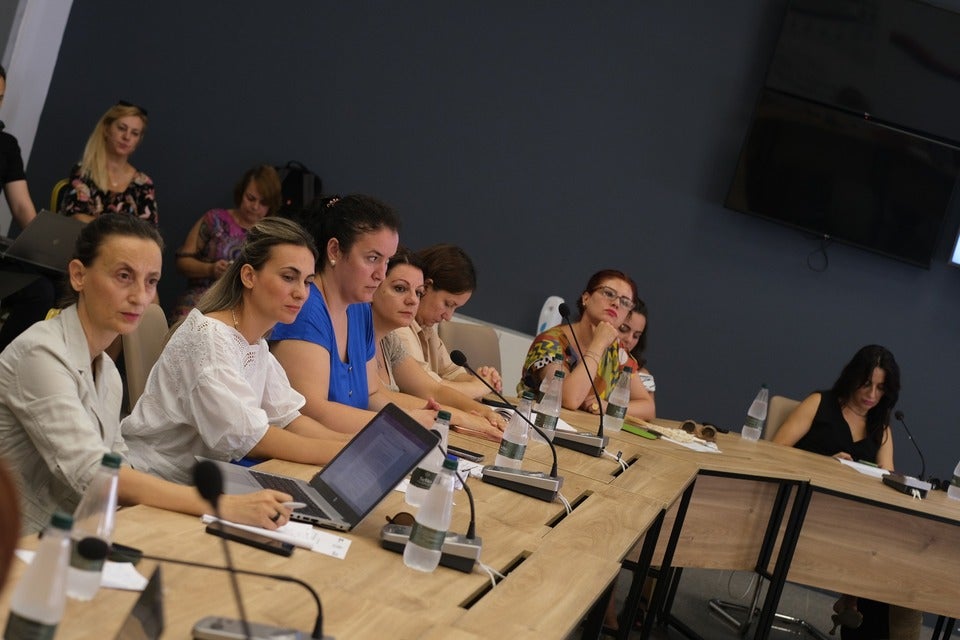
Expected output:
(842, 176)
(897, 60)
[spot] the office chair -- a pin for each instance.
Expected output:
(56, 195)
(141, 349)
(479, 342)
(780, 407)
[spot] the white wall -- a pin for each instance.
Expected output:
(513, 351)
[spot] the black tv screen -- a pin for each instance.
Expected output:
(897, 60)
(846, 177)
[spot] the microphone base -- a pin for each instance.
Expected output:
(908, 485)
(458, 552)
(587, 443)
(535, 484)
(217, 628)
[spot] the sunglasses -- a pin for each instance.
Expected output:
(124, 103)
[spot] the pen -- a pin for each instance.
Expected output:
(294, 505)
(867, 462)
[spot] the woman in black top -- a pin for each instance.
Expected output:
(851, 421)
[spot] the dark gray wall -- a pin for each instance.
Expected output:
(549, 141)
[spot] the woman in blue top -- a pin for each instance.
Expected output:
(328, 352)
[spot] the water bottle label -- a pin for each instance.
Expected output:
(512, 450)
(428, 538)
(77, 561)
(753, 423)
(422, 478)
(616, 411)
(23, 629)
(545, 421)
(956, 481)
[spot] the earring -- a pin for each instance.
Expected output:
(333, 263)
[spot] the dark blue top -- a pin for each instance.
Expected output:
(830, 434)
(348, 380)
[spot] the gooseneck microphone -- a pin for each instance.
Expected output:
(531, 483)
(583, 442)
(923, 463)
(97, 549)
(209, 482)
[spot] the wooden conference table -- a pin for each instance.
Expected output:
(853, 533)
(558, 566)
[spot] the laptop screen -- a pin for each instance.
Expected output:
(374, 462)
(145, 621)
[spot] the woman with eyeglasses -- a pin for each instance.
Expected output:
(604, 304)
(105, 181)
(394, 306)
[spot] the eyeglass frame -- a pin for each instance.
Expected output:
(611, 294)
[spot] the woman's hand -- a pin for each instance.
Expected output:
(219, 268)
(261, 509)
(477, 425)
(495, 419)
(603, 336)
(843, 455)
(426, 416)
(492, 376)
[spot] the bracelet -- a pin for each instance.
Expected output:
(595, 357)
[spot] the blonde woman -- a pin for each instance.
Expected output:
(105, 181)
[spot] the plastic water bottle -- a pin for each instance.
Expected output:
(618, 402)
(953, 491)
(548, 373)
(422, 477)
(548, 411)
(753, 427)
(425, 544)
(39, 600)
(93, 518)
(513, 444)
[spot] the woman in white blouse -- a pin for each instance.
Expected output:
(60, 393)
(216, 390)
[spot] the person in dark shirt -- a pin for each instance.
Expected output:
(851, 421)
(32, 302)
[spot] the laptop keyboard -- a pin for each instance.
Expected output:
(287, 485)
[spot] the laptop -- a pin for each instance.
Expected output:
(145, 621)
(47, 242)
(356, 480)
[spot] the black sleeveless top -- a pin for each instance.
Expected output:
(830, 434)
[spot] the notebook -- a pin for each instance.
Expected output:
(145, 621)
(356, 480)
(47, 242)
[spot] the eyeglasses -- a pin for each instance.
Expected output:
(608, 293)
(124, 103)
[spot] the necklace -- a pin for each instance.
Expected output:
(233, 314)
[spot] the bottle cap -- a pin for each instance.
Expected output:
(443, 415)
(111, 460)
(528, 395)
(559, 374)
(61, 520)
(451, 462)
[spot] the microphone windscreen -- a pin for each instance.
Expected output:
(898, 414)
(93, 548)
(564, 310)
(209, 481)
(458, 358)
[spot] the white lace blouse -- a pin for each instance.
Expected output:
(212, 394)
